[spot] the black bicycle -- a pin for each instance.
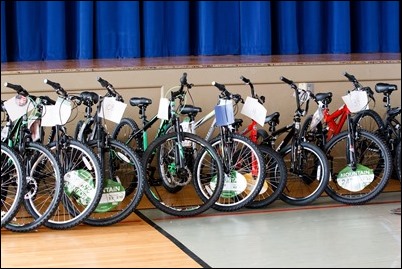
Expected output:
(307, 165)
(123, 171)
(387, 127)
(43, 182)
(83, 178)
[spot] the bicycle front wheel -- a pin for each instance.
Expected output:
(43, 188)
(374, 166)
(196, 168)
(12, 183)
(83, 185)
(124, 179)
(308, 174)
(275, 178)
(244, 171)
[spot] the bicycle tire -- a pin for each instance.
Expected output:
(204, 175)
(12, 183)
(316, 135)
(305, 186)
(245, 189)
(371, 152)
(81, 165)
(78, 128)
(125, 175)
(43, 188)
(371, 121)
(398, 160)
(275, 178)
(123, 131)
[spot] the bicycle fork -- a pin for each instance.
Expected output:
(350, 149)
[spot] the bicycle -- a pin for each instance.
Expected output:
(43, 182)
(361, 174)
(387, 127)
(275, 167)
(307, 165)
(242, 160)
(12, 183)
(123, 172)
(173, 154)
(80, 166)
(244, 165)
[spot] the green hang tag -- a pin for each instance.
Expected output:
(113, 194)
(234, 184)
(355, 180)
(79, 184)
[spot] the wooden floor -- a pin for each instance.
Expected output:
(129, 244)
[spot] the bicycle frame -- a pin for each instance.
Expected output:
(334, 127)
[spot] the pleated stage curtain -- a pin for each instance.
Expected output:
(57, 30)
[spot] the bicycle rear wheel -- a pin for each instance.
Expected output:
(307, 177)
(12, 183)
(200, 176)
(398, 160)
(123, 131)
(372, 154)
(124, 179)
(244, 172)
(315, 135)
(43, 188)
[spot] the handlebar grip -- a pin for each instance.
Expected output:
(18, 88)
(288, 81)
(183, 79)
(221, 87)
(245, 80)
(55, 85)
(349, 76)
(103, 82)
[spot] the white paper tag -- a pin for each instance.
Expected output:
(356, 101)
(112, 109)
(14, 110)
(163, 110)
(57, 114)
(254, 110)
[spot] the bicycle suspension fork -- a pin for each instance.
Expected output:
(351, 153)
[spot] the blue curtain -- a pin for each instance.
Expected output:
(58, 30)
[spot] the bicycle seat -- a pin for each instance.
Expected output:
(394, 111)
(89, 98)
(189, 109)
(140, 101)
(385, 88)
(326, 98)
(272, 119)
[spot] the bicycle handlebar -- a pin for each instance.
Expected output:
(62, 92)
(261, 99)
(226, 94)
(359, 86)
(18, 88)
(297, 89)
(109, 87)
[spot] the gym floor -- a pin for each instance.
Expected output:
(325, 234)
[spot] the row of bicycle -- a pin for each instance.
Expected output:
(58, 179)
